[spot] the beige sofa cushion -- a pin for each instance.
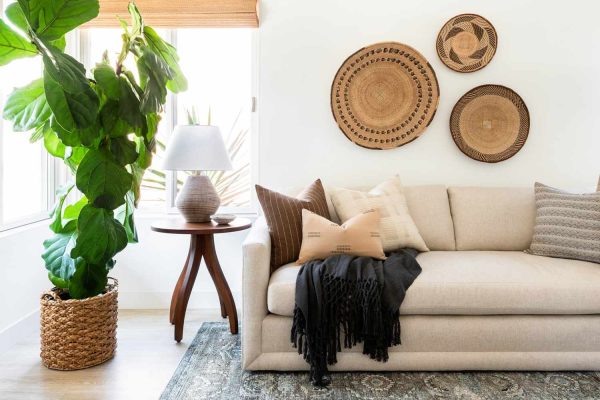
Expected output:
(398, 230)
(480, 283)
(358, 236)
(492, 218)
(429, 208)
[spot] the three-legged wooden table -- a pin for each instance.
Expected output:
(202, 244)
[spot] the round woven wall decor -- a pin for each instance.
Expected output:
(384, 95)
(490, 123)
(467, 43)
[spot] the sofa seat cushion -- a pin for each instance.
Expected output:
(480, 283)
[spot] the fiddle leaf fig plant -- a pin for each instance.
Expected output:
(102, 123)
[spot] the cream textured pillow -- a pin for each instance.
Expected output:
(398, 230)
(322, 238)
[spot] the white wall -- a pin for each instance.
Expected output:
(23, 274)
(549, 53)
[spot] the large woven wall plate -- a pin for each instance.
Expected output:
(467, 43)
(490, 123)
(384, 95)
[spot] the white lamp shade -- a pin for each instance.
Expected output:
(196, 148)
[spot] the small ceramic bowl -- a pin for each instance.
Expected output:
(222, 219)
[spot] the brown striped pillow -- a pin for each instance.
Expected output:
(284, 218)
(567, 225)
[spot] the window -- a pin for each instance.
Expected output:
(218, 66)
(26, 171)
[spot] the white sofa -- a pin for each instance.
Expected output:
(480, 303)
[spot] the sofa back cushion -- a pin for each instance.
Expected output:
(492, 218)
(429, 208)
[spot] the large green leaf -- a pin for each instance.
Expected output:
(57, 254)
(103, 181)
(52, 19)
(64, 69)
(71, 110)
(169, 55)
(60, 43)
(137, 21)
(75, 156)
(57, 211)
(13, 45)
(39, 132)
(100, 235)
(68, 138)
(129, 104)
(58, 282)
(53, 144)
(138, 176)
(88, 280)
(112, 123)
(154, 75)
(145, 154)
(72, 211)
(107, 80)
(124, 215)
(15, 15)
(26, 107)
(123, 150)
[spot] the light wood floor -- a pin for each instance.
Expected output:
(145, 360)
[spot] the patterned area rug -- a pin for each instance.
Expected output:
(211, 369)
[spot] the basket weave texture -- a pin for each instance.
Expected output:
(384, 95)
(77, 334)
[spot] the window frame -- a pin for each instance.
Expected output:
(54, 174)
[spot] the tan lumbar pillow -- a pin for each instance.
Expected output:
(359, 236)
(398, 230)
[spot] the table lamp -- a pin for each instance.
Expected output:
(197, 148)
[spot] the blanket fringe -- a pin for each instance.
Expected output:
(351, 308)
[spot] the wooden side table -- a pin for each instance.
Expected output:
(202, 244)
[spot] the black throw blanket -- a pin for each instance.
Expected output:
(359, 296)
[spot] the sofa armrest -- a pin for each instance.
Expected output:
(255, 282)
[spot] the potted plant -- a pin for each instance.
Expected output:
(103, 125)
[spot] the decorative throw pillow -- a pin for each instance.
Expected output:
(398, 229)
(359, 236)
(567, 225)
(284, 219)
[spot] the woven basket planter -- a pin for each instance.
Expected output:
(77, 334)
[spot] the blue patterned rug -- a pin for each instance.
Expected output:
(211, 369)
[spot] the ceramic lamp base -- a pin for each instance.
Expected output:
(198, 199)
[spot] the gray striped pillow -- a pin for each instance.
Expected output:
(567, 225)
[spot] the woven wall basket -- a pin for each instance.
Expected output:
(384, 95)
(490, 123)
(78, 334)
(467, 43)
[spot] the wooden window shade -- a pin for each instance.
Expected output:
(181, 13)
